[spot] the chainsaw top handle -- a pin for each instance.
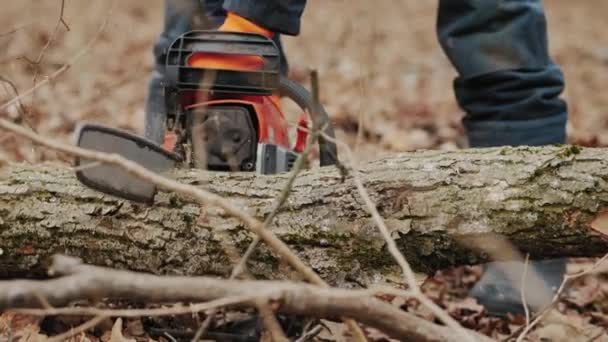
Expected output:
(328, 152)
(180, 77)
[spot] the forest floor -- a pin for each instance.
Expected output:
(385, 82)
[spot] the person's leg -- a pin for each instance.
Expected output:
(177, 21)
(508, 85)
(178, 18)
(509, 88)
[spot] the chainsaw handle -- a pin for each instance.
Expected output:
(328, 152)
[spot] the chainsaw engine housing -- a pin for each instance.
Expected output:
(223, 137)
(240, 134)
(223, 120)
(231, 120)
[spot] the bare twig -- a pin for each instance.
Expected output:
(284, 195)
(52, 38)
(523, 288)
(79, 329)
(61, 19)
(270, 322)
(265, 310)
(87, 166)
(168, 311)
(410, 278)
(279, 201)
(49, 42)
(310, 334)
(202, 196)
(66, 66)
(169, 336)
(84, 281)
(541, 315)
(596, 336)
(20, 105)
(15, 30)
(241, 265)
(199, 194)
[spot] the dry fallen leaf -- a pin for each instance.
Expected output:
(333, 331)
(555, 332)
(135, 328)
(600, 222)
(20, 327)
(376, 335)
(588, 291)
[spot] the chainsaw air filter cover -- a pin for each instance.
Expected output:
(223, 138)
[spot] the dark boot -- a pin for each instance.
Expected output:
(500, 296)
(499, 289)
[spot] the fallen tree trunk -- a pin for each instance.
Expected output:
(544, 200)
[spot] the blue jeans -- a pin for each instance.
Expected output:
(507, 84)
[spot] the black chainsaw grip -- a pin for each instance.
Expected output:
(328, 152)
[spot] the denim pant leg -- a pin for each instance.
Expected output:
(508, 85)
(178, 16)
(177, 21)
(509, 88)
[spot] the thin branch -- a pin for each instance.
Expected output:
(84, 281)
(66, 66)
(541, 315)
(241, 266)
(523, 288)
(20, 106)
(268, 317)
(202, 196)
(316, 131)
(52, 38)
(270, 322)
(410, 278)
(174, 310)
(309, 335)
(46, 46)
(79, 329)
(61, 19)
(14, 30)
(279, 201)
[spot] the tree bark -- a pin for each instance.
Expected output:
(547, 201)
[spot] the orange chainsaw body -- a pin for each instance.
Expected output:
(226, 85)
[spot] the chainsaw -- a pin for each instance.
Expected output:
(216, 119)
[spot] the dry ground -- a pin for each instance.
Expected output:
(379, 60)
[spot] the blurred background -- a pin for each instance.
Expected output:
(385, 81)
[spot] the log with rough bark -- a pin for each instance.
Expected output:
(548, 201)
